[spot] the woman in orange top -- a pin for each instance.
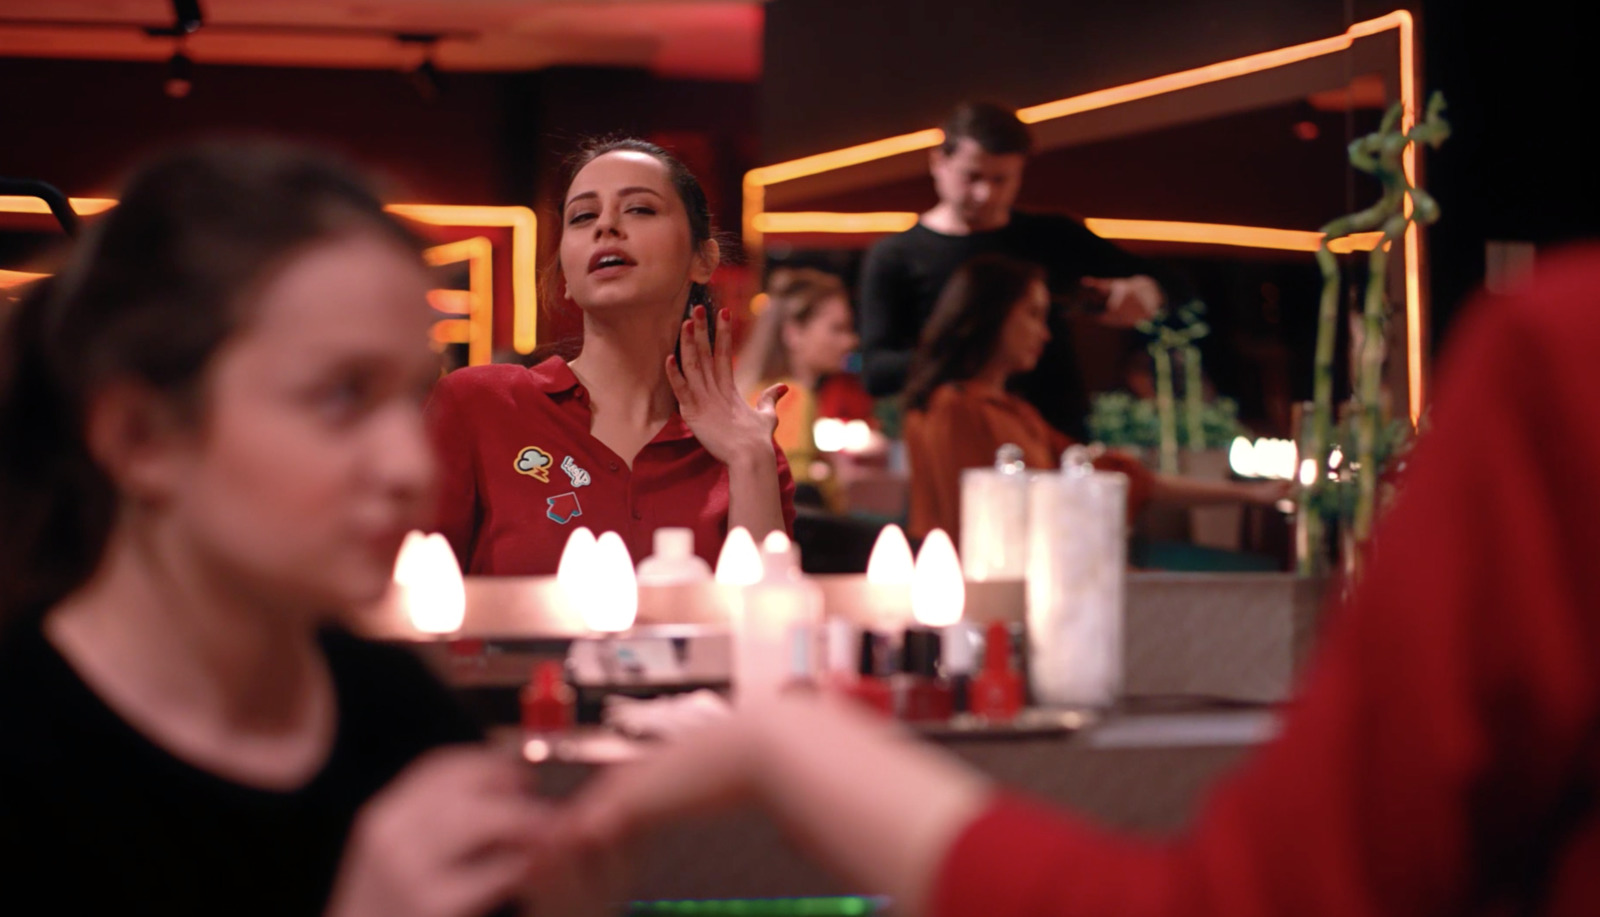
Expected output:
(989, 325)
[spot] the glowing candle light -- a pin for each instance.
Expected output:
(828, 434)
(739, 564)
(938, 593)
(576, 568)
(857, 436)
(1242, 457)
(612, 596)
(891, 563)
(432, 591)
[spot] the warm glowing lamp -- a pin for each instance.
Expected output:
(938, 592)
(612, 592)
(739, 564)
(576, 567)
(431, 589)
(857, 436)
(1242, 457)
(829, 434)
(776, 542)
(890, 563)
(1308, 472)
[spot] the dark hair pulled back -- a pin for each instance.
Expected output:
(149, 295)
(690, 193)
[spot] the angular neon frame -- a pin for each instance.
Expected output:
(522, 222)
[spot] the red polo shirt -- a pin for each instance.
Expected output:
(519, 470)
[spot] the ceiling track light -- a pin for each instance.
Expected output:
(187, 19)
(180, 75)
(424, 76)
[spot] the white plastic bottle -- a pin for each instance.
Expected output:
(777, 626)
(673, 560)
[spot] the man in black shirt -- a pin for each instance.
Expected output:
(977, 173)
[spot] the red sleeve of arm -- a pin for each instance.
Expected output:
(456, 508)
(1451, 710)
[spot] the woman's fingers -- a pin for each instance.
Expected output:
(767, 404)
(689, 360)
(724, 350)
(680, 384)
(708, 359)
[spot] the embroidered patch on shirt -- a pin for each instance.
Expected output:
(576, 475)
(535, 463)
(563, 507)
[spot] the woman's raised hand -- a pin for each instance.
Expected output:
(725, 424)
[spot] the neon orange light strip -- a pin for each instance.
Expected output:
(10, 279)
(1134, 230)
(1294, 240)
(82, 206)
(451, 302)
(1413, 241)
(451, 331)
(478, 252)
(834, 222)
(848, 156)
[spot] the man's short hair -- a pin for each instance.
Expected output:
(994, 128)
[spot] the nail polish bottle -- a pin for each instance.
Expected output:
(996, 692)
(547, 699)
(925, 696)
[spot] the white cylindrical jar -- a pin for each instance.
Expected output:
(1077, 568)
(994, 519)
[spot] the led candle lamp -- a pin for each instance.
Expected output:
(427, 577)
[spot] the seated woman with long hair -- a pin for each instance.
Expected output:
(801, 341)
(644, 428)
(990, 325)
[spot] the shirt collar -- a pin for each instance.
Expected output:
(555, 378)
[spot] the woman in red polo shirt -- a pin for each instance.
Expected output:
(645, 427)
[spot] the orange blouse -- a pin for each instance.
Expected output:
(961, 428)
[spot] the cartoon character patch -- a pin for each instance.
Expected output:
(563, 507)
(535, 463)
(576, 475)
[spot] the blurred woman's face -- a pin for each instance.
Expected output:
(625, 237)
(1026, 331)
(820, 344)
(311, 462)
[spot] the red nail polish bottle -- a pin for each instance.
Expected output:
(926, 696)
(996, 692)
(547, 699)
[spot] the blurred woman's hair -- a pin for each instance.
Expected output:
(794, 296)
(148, 295)
(695, 205)
(960, 337)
